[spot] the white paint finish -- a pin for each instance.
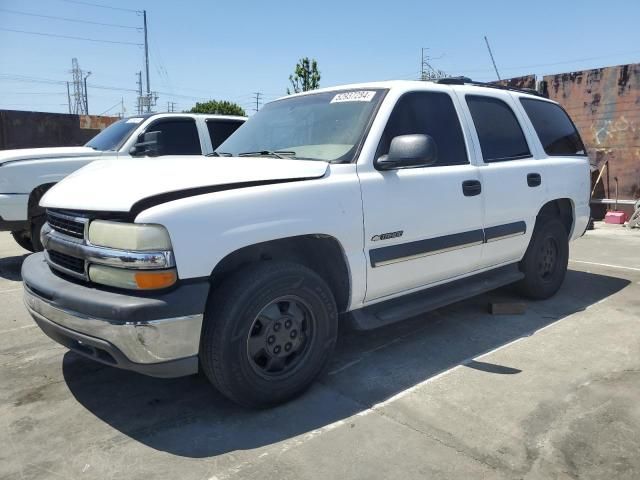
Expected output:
(13, 206)
(145, 177)
(348, 204)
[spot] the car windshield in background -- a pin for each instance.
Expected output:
(112, 137)
(320, 126)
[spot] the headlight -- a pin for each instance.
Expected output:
(129, 236)
(132, 279)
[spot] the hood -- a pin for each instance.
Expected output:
(118, 185)
(8, 156)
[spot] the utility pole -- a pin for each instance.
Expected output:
(171, 107)
(86, 94)
(427, 72)
(491, 55)
(68, 97)
(257, 95)
(140, 101)
(146, 59)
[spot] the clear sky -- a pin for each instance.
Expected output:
(218, 49)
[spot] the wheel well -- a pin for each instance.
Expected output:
(321, 253)
(34, 207)
(561, 208)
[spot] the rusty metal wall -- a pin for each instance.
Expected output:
(526, 81)
(20, 129)
(604, 103)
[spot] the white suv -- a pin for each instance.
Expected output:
(367, 203)
(26, 174)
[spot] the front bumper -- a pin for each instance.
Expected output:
(157, 335)
(13, 212)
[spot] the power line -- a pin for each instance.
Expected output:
(79, 2)
(71, 37)
(68, 19)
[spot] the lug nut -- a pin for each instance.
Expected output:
(271, 339)
(277, 349)
(293, 334)
(287, 324)
(276, 326)
(287, 347)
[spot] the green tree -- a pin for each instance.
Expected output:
(221, 107)
(305, 77)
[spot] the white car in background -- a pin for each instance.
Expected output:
(26, 174)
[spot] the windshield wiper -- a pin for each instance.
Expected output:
(219, 154)
(267, 153)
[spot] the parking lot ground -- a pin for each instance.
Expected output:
(456, 393)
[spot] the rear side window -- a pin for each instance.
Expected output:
(220, 130)
(501, 137)
(177, 137)
(555, 129)
(430, 113)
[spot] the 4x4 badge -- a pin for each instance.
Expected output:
(387, 236)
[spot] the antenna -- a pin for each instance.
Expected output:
(491, 55)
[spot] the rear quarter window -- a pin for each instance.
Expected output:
(556, 131)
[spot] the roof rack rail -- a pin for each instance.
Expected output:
(468, 81)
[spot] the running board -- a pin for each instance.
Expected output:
(408, 306)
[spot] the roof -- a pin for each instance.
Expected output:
(189, 115)
(456, 83)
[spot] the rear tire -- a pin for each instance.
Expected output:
(268, 332)
(22, 238)
(545, 261)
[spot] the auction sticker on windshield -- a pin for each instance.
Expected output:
(357, 96)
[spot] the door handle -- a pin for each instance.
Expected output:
(471, 188)
(534, 179)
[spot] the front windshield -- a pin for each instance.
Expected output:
(321, 126)
(112, 137)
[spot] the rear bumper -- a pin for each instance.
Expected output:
(13, 211)
(156, 335)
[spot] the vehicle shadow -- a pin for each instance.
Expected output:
(188, 417)
(10, 267)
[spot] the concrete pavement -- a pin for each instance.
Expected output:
(457, 393)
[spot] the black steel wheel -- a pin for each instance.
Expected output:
(545, 262)
(280, 336)
(269, 331)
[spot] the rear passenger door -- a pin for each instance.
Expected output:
(511, 176)
(422, 225)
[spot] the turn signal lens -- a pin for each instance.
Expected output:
(132, 279)
(151, 280)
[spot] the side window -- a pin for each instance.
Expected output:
(177, 137)
(430, 113)
(220, 130)
(555, 129)
(501, 137)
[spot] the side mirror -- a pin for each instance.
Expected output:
(408, 151)
(148, 144)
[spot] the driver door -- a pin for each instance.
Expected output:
(422, 225)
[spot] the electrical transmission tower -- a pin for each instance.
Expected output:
(427, 72)
(78, 104)
(258, 101)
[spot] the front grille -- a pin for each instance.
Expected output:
(65, 225)
(67, 261)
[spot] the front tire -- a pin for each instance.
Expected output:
(268, 332)
(37, 222)
(23, 239)
(545, 261)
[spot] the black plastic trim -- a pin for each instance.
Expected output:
(13, 225)
(187, 298)
(506, 230)
(425, 247)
